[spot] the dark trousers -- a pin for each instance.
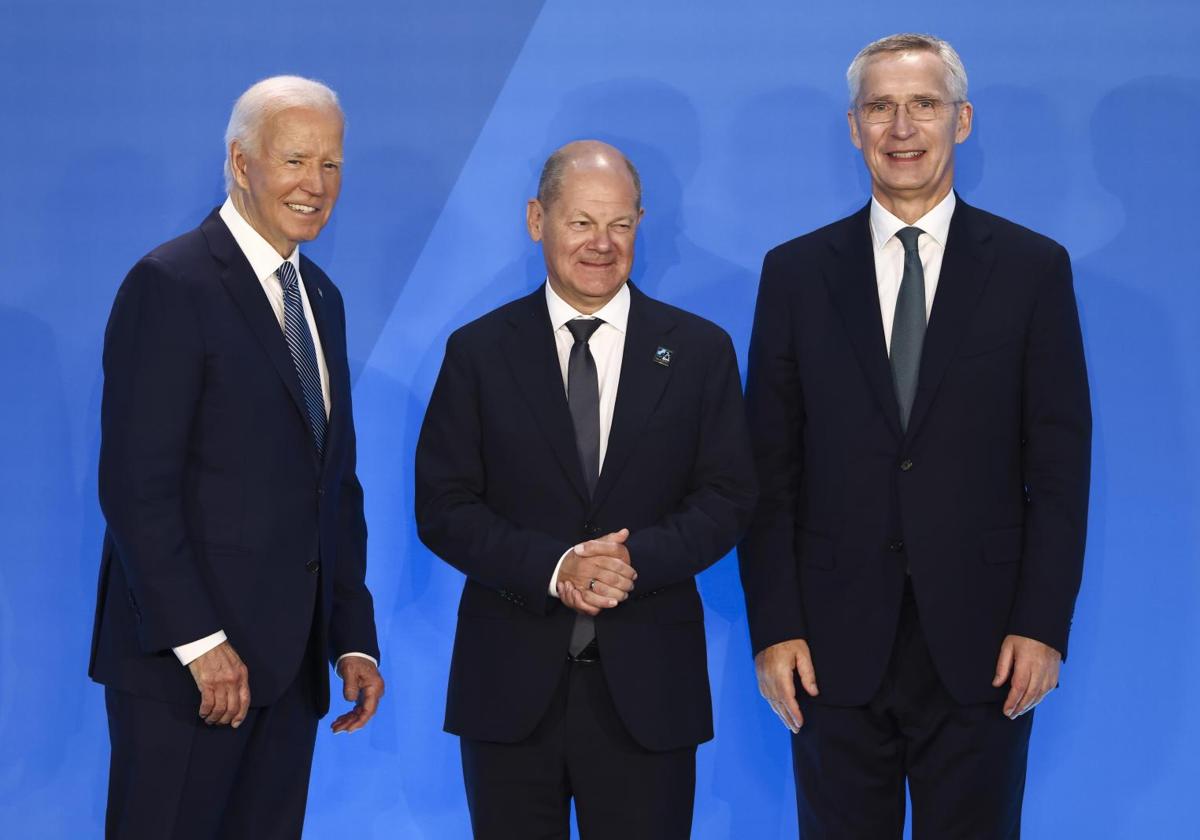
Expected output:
(965, 765)
(174, 777)
(580, 749)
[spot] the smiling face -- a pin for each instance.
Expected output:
(911, 162)
(287, 186)
(587, 232)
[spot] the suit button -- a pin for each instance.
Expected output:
(905, 465)
(313, 566)
(590, 530)
(895, 545)
(320, 491)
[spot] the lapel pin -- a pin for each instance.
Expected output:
(663, 356)
(320, 294)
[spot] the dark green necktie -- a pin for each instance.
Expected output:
(908, 325)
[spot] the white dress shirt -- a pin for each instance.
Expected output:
(608, 348)
(265, 261)
(889, 255)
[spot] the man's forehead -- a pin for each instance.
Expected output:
(304, 121)
(912, 72)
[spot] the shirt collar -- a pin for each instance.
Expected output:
(936, 222)
(614, 313)
(264, 259)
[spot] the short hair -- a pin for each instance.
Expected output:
(555, 169)
(956, 74)
(265, 99)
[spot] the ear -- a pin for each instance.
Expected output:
(641, 214)
(535, 216)
(237, 162)
(854, 136)
(966, 116)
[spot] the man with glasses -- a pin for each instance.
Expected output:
(919, 408)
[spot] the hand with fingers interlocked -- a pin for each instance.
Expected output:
(597, 575)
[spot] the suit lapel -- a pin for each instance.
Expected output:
(855, 294)
(966, 265)
(238, 278)
(640, 388)
(533, 360)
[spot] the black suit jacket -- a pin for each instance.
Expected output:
(985, 497)
(500, 495)
(219, 513)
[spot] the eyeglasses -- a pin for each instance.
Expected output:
(921, 110)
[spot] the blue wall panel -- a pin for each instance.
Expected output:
(1086, 127)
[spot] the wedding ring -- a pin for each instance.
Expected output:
(592, 585)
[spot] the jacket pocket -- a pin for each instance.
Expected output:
(987, 344)
(678, 608)
(1003, 545)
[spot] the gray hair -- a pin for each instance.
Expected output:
(264, 100)
(555, 169)
(956, 74)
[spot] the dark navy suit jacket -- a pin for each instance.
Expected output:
(984, 498)
(500, 495)
(220, 514)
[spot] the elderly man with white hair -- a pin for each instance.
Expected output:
(918, 400)
(235, 554)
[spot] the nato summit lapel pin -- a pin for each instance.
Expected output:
(663, 356)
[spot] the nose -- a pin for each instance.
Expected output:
(902, 125)
(601, 240)
(313, 182)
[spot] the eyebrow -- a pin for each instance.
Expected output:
(306, 156)
(577, 214)
(913, 98)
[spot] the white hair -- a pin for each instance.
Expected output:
(264, 100)
(956, 74)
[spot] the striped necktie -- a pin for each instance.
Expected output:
(304, 356)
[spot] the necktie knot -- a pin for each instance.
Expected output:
(287, 276)
(908, 238)
(583, 328)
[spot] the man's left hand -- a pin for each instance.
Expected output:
(1033, 667)
(362, 684)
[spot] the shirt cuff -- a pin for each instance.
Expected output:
(374, 661)
(194, 650)
(554, 577)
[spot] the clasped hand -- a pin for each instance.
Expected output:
(597, 575)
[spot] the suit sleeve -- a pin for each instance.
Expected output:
(775, 408)
(352, 624)
(453, 517)
(1056, 462)
(722, 488)
(153, 379)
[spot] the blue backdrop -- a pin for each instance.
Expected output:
(1087, 118)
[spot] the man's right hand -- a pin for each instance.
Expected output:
(224, 684)
(775, 667)
(597, 575)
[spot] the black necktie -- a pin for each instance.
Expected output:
(908, 325)
(583, 399)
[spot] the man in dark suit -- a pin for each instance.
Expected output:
(919, 410)
(583, 457)
(234, 560)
